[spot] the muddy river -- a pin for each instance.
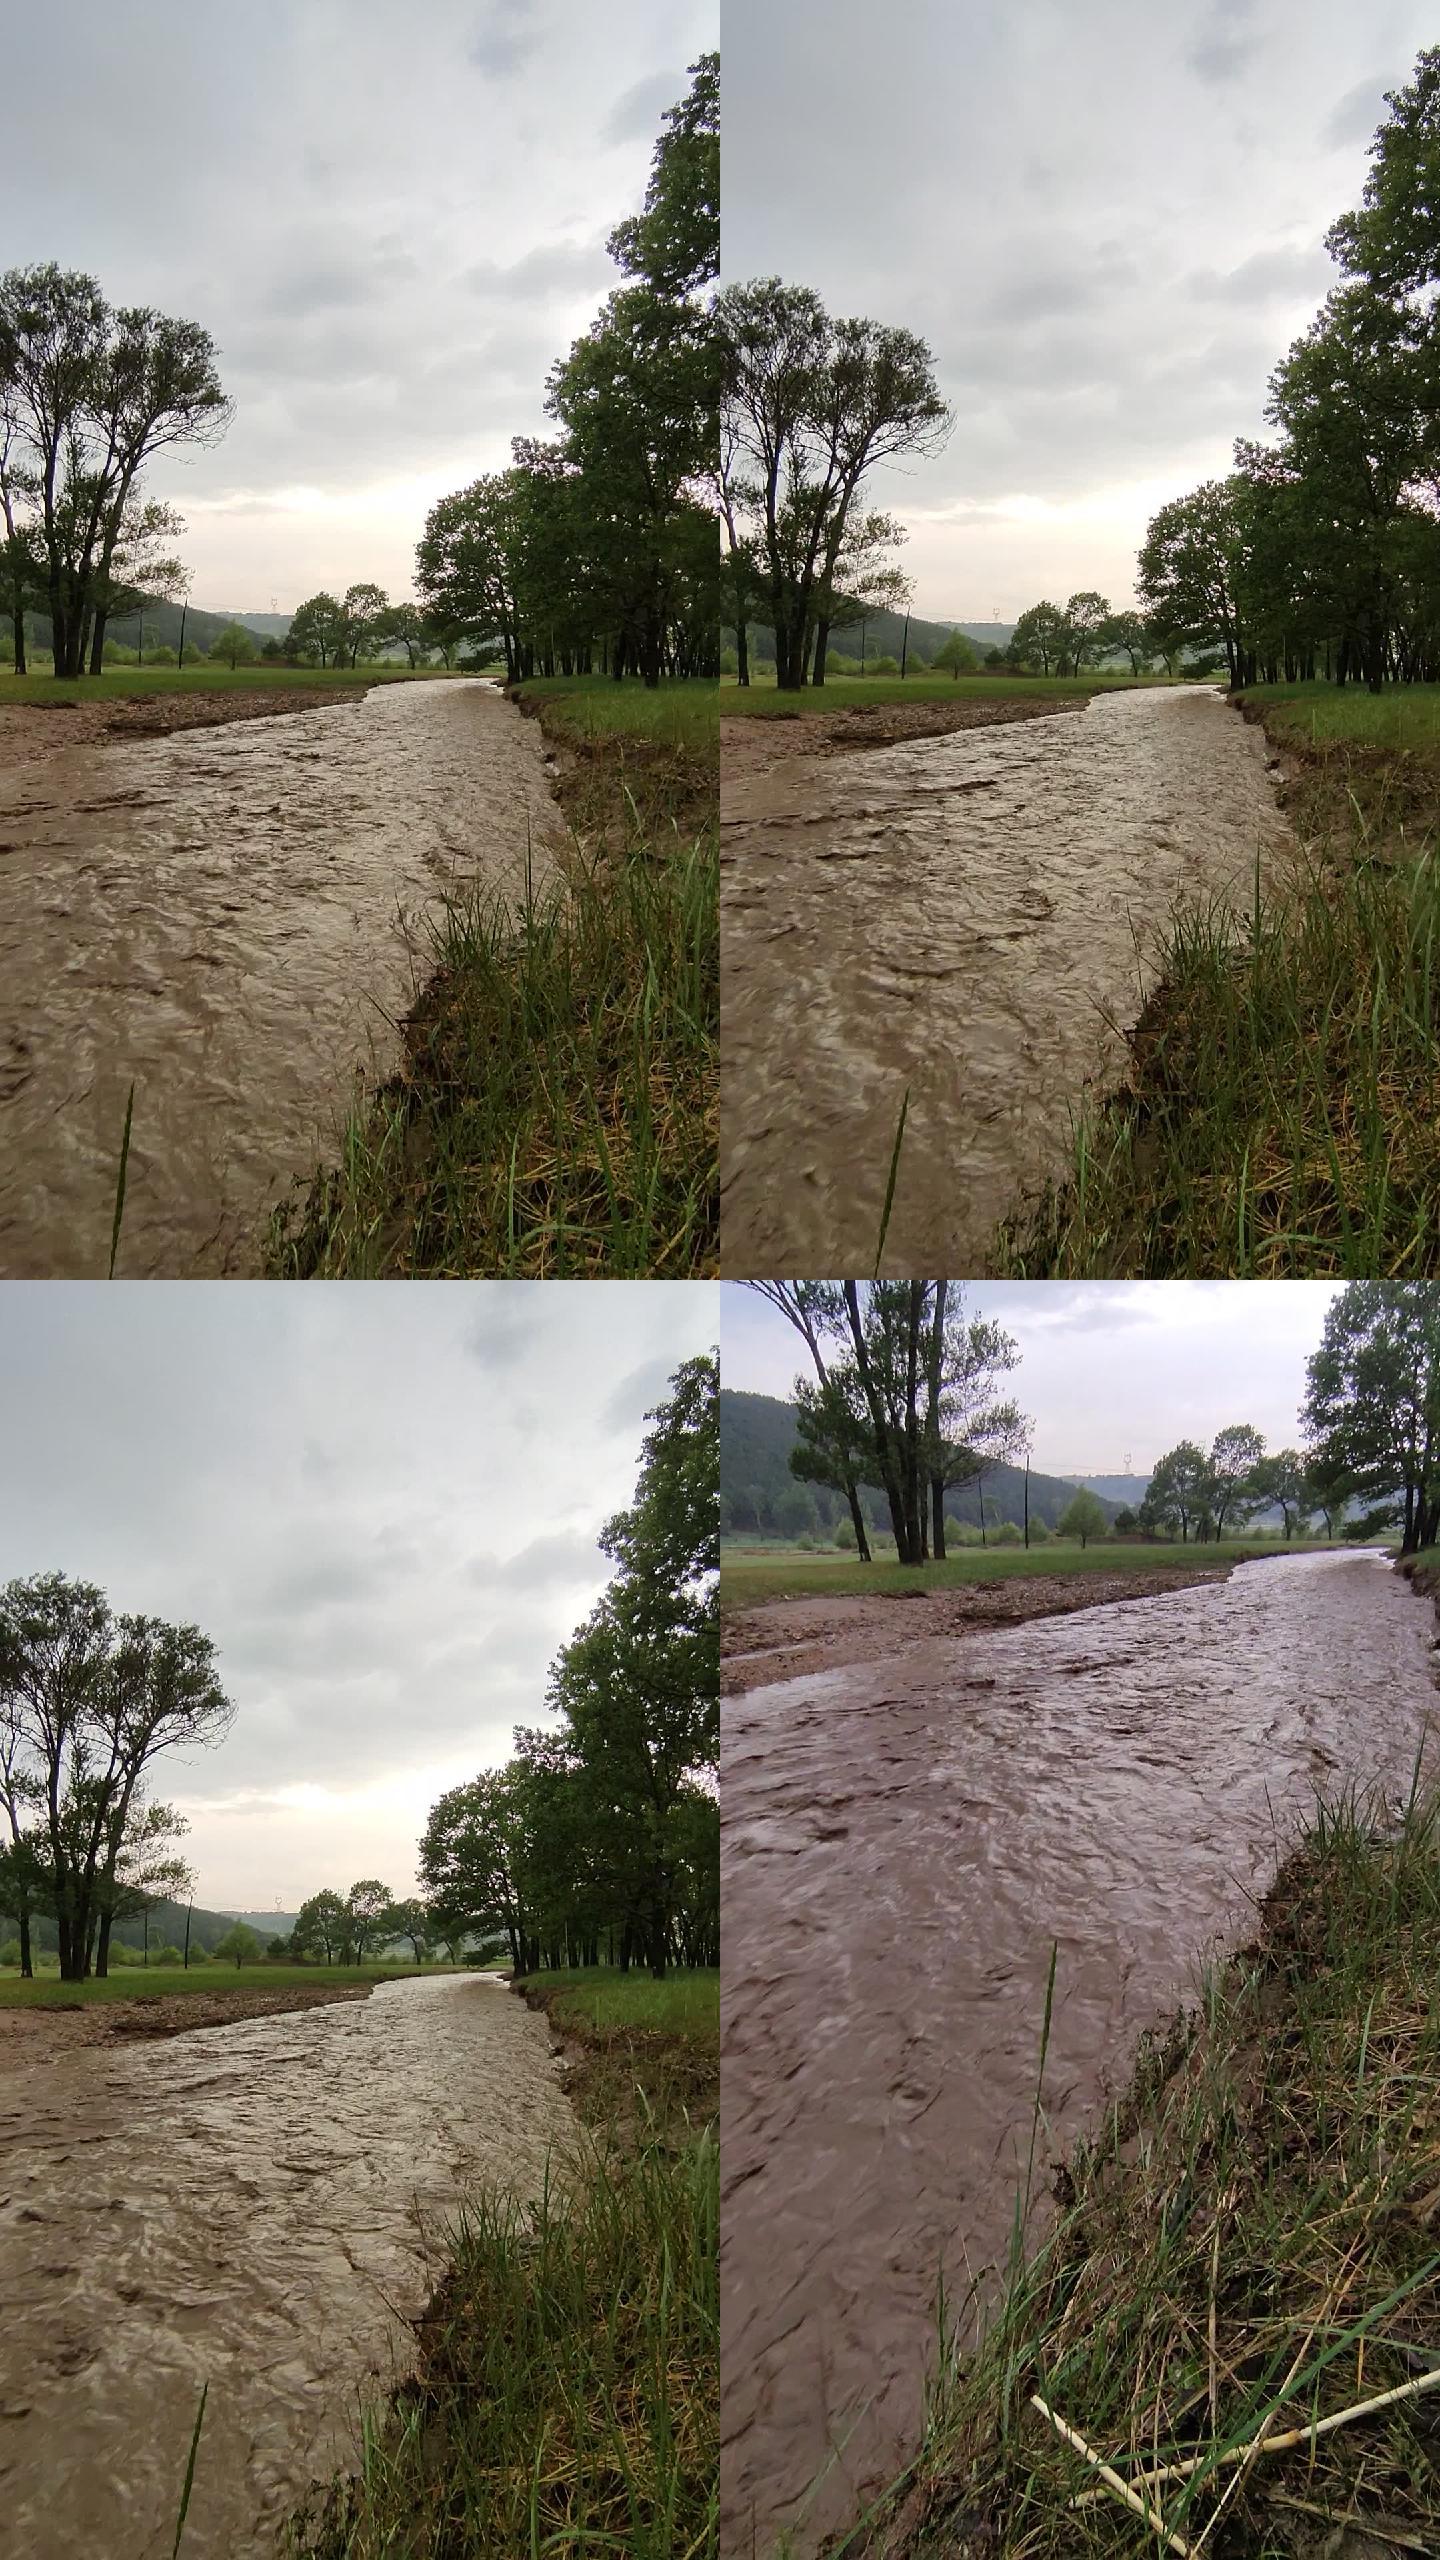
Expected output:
(903, 1841)
(970, 917)
(231, 919)
(256, 2206)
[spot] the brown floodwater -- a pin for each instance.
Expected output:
(970, 917)
(903, 1840)
(257, 2207)
(231, 919)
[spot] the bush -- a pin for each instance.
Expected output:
(964, 1533)
(161, 657)
(844, 1534)
(168, 1955)
(882, 666)
(729, 662)
(1039, 1534)
(1008, 1533)
(10, 1952)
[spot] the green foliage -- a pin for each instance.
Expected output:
(239, 1946)
(1372, 1409)
(234, 646)
(958, 657)
(1084, 1518)
(1007, 1533)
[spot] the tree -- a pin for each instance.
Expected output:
(1371, 1418)
(1039, 638)
(369, 1916)
(363, 616)
(90, 395)
(1190, 562)
(1235, 1453)
(235, 645)
(404, 622)
(317, 628)
(1125, 1522)
(1086, 616)
(814, 1308)
(1177, 1495)
(959, 655)
(1084, 1518)
(320, 1927)
(1128, 631)
(411, 1920)
(1279, 1481)
(240, 1945)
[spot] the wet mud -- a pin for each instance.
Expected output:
(232, 918)
(258, 2207)
(755, 742)
(903, 1841)
(971, 917)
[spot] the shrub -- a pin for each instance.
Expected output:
(1039, 1534)
(844, 1533)
(882, 666)
(10, 1952)
(729, 662)
(1007, 1533)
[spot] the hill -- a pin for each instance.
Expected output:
(162, 627)
(757, 1434)
(885, 635)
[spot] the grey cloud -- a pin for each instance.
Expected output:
(635, 116)
(505, 39)
(561, 267)
(1355, 116)
(1271, 275)
(1224, 52)
(568, 1557)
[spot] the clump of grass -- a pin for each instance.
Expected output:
(556, 1114)
(1279, 1118)
(567, 2393)
(1247, 2250)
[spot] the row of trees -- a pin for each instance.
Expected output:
(597, 548)
(88, 396)
(1371, 1419)
(810, 406)
(88, 1701)
(600, 1838)
(1062, 640)
(1320, 553)
(1213, 1494)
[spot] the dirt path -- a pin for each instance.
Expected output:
(232, 919)
(960, 917)
(260, 2207)
(790, 1639)
(906, 1838)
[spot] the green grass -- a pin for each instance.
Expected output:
(154, 1982)
(1404, 718)
(749, 1576)
(1247, 2243)
(762, 700)
(567, 2398)
(556, 1113)
(1279, 1117)
(119, 684)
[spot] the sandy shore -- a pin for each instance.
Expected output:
(791, 1639)
(35, 2035)
(752, 742)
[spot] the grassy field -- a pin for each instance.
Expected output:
(567, 2397)
(1246, 2254)
(1279, 1118)
(557, 1112)
(120, 684)
(751, 1575)
(155, 1982)
(762, 700)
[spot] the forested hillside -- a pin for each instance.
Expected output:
(884, 635)
(758, 1492)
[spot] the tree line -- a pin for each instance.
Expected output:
(1320, 553)
(88, 1702)
(88, 396)
(596, 550)
(599, 1840)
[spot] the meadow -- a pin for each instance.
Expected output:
(1278, 1117)
(751, 1575)
(762, 700)
(156, 1982)
(556, 1114)
(123, 684)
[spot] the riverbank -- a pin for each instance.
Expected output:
(586, 2326)
(64, 2016)
(555, 1114)
(1275, 1116)
(1236, 2310)
(763, 736)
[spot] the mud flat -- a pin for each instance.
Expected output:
(904, 1840)
(970, 917)
(256, 2207)
(232, 918)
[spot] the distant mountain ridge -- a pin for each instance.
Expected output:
(884, 637)
(757, 1434)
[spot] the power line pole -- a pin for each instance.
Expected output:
(905, 645)
(184, 609)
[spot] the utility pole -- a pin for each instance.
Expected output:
(905, 645)
(1027, 1497)
(189, 1907)
(184, 609)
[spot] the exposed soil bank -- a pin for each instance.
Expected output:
(791, 1639)
(258, 2206)
(33, 733)
(967, 918)
(904, 1842)
(35, 2034)
(755, 742)
(232, 921)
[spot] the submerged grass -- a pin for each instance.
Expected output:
(1279, 1117)
(567, 2395)
(1244, 2268)
(556, 1113)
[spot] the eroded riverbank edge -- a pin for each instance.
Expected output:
(755, 742)
(31, 733)
(793, 1639)
(50, 2028)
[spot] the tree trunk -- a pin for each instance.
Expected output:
(857, 1516)
(102, 1949)
(18, 623)
(27, 1961)
(742, 652)
(97, 645)
(822, 643)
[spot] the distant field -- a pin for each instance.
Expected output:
(749, 1575)
(600, 1997)
(761, 699)
(679, 712)
(153, 1982)
(1404, 716)
(121, 683)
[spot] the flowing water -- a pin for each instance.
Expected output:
(963, 916)
(903, 1841)
(231, 919)
(255, 2207)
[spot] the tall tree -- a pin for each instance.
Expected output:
(1371, 1418)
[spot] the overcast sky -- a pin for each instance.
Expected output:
(391, 220)
(1114, 1372)
(1107, 220)
(380, 1502)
